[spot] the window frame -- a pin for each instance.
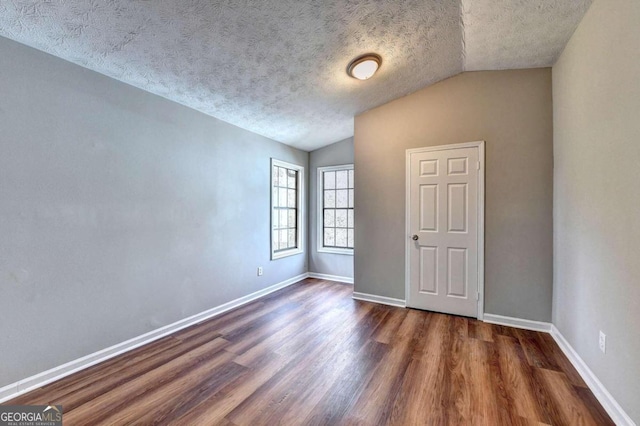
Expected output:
(320, 210)
(300, 210)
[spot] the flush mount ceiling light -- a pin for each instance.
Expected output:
(365, 66)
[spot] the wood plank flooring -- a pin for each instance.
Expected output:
(311, 355)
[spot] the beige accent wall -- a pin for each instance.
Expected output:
(596, 91)
(512, 112)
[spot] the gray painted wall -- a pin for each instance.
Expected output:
(596, 102)
(327, 263)
(512, 112)
(120, 212)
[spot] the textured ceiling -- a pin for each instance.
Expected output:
(277, 67)
(511, 34)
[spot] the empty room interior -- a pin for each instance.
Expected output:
(295, 212)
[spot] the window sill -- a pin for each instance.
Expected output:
(282, 254)
(348, 252)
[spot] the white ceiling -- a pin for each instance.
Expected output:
(277, 67)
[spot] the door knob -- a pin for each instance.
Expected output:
(415, 238)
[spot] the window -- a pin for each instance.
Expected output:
(335, 209)
(286, 209)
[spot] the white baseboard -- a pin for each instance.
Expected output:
(608, 402)
(379, 299)
(25, 385)
(348, 280)
(8, 392)
(517, 322)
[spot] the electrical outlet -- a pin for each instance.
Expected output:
(603, 342)
(259, 271)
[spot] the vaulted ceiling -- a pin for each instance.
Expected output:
(277, 67)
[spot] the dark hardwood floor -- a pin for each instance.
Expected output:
(309, 354)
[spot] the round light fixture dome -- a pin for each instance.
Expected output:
(365, 66)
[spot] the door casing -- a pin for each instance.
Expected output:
(480, 248)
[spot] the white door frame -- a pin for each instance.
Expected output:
(407, 275)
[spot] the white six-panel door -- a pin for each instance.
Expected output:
(444, 192)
